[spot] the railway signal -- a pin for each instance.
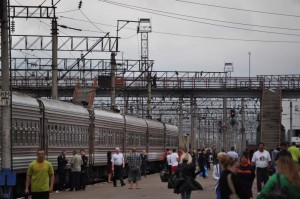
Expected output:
(232, 113)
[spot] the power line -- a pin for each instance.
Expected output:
(90, 21)
(217, 20)
(195, 36)
(240, 9)
(67, 11)
(224, 38)
(184, 19)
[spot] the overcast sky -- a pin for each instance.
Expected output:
(193, 52)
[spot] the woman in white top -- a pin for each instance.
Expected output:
(217, 170)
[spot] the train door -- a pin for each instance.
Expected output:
(124, 141)
(44, 129)
(91, 142)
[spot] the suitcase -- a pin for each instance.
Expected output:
(164, 175)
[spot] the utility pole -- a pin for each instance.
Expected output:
(193, 107)
(180, 121)
(113, 81)
(6, 146)
(249, 53)
(243, 131)
(291, 117)
(224, 125)
(54, 33)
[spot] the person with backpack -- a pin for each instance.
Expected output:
(287, 177)
(217, 172)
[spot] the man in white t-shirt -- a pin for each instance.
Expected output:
(174, 158)
(118, 164)
(262, 160)
(233, 154)
(169, 162)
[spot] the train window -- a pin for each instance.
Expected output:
(137, 140)
(104, 137)
(80, 138)
(14, 131)
(53, 137)
(29, 133)
(112, 138)
(142, 140)
(129, 139)
(68, 138)
(109, 138)
(100, 138)
(118, 138)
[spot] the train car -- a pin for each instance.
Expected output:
(108, 131)
(66, 127)
(156, 144)
(171, 136)
(136, 134)
(26, 125)
(55, 126)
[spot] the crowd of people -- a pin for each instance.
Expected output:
(234, 174)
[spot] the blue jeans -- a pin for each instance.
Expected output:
(218, 192)
(186, 195)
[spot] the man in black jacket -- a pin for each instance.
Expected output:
(201, 162)
(62, 162)
(83, 174)
(283, 152)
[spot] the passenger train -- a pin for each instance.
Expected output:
(56, 126)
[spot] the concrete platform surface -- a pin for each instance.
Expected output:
(151, 188)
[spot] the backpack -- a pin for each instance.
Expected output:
(279, 192)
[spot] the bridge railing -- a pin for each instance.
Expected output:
(167, 81)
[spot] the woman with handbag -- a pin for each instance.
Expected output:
(229, 182)
(286, 183)
(185, 177)
(217, 172)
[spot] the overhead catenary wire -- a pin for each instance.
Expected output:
(91, 21)
(182, 35)
(239, 9)
(196, 36)
(146, 10)
(217, 20)
(230, 39)
(67, 11)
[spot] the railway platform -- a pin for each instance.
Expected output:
(151, 188)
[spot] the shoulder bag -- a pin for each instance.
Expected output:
(178, 179)
(279, 192)
(233, 194)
